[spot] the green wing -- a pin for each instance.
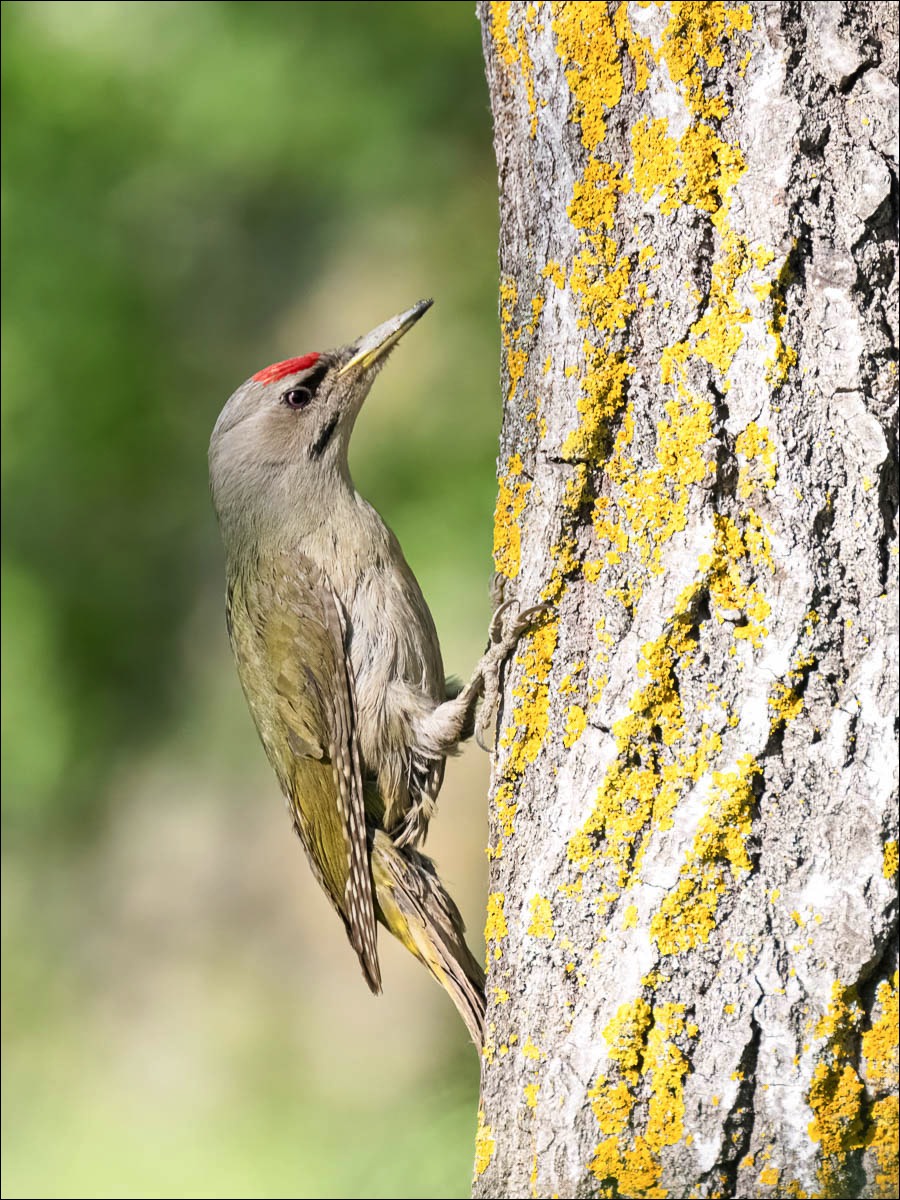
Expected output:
(308, 725)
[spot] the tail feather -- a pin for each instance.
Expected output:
(414, 905)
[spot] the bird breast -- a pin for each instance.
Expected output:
(393, 645)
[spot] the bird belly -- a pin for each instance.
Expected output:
(399, 679)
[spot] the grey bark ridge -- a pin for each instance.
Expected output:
(692, 921)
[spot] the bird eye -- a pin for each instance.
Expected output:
(297, 397)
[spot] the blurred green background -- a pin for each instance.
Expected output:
(191, 191)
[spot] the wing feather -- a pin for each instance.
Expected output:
(292, 656)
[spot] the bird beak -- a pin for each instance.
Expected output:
(371, 347)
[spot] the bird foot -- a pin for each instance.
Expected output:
(504, 637)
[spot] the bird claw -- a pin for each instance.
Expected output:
(495, 629)
(525, 620)
(503, 640)
(480, 729)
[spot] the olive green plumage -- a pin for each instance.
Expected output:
(282, 617)
(338, 656)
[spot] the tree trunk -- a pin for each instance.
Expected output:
(692, 921)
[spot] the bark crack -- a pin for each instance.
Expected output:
(738, 1126)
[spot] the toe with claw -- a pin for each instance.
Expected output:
(504, 637)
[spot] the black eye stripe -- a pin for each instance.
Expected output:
(323, 439)
(316, 375)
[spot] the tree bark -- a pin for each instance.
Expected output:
(691, 929)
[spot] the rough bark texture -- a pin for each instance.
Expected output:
(692, 922)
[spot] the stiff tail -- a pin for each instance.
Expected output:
(411, 901)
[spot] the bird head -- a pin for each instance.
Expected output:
(279, 447)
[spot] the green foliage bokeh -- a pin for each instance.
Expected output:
(177, 177)
(190, 191)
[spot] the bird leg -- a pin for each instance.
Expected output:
(441, 731)
(438, 731)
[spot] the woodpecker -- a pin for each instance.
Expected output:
(339, 658)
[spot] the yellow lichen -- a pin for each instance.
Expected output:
(656, 167)
(595, 196)
(612, 1105)
(586, 42)
(660, 751)
(835, 1097)
(600, 280)
(602, 399)
(879, 1043)
(836, 1091)
(609, 529)
(516, 357)
(643, 784)
(541, 924)
(642, 1042)
(655, 502)
(485, 1144)
(882, 1140)
(891, 859)
(668, 1067)
(505, 809)
(600, 276)
(509, 294)
(640, 48)
(576, 723)
(759, 467)
(693, 43)
(783, 357)
(711, 167)
(516, 53)
(717, 334)
(531, 715)
(568, 685)
(576, 488)
(733, 554)
(511, 496)
(699, 169)
(564, 556)
(530, 1050)
(625, 1036)
(500, 31)
(882, 1074)
(556, 274)
(786, 699)
(785, 703)
(687, 914)
(495, 928)
(512, 334)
